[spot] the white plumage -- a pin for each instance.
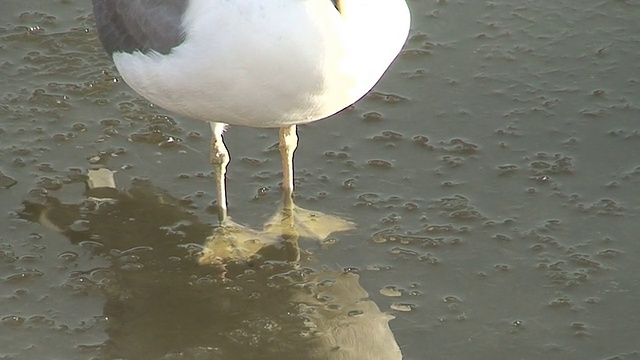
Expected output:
(270, 63)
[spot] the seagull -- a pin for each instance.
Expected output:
(256, 63)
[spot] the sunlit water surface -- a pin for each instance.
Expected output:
(493, 175)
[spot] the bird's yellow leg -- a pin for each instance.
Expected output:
(288, 144)
(294, 222)
(220, 160)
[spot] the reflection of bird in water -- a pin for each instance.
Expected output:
(272, 64)
(160, 304)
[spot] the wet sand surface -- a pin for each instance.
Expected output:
(493, 176)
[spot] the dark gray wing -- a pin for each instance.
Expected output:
(140, 25)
